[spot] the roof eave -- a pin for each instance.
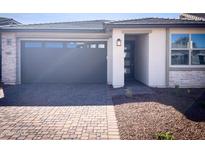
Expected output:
(53, 30)
(110, 26)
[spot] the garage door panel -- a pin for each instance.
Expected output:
(63, 65)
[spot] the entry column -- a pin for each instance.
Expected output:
(117, 58)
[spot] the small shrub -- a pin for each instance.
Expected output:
(188, 91)
(164, 136)
(177, 90)
(129, 93)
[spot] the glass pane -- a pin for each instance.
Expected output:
(127, 62)
(33, 45)
(127, 70)
(127, 54)
(180, 40)
(93, 46)
(54, 45)
(198, 40)
(101, 46)
(180, 57)
(73, 45)
(198, 57)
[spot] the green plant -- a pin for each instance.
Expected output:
(128, 93)
(164, 136)
(176, 90)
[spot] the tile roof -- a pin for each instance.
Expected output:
(101, 25)
(74, 25)
(156, 21)
(7, 21)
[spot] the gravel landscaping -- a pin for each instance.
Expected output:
(178, 111)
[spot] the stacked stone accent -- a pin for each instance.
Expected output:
(9, 55)
(187, 79)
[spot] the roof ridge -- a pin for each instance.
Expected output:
(145, 18)
(64, 22)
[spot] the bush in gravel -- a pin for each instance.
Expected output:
(164, 136)
(128, 93)
(177, 90)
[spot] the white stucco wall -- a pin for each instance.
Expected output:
(141, 58)
(109, 61)
(157, 57)
(117, 59)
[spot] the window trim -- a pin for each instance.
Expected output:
(190, 49)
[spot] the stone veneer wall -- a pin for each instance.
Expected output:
(9, 55)
(187, 79)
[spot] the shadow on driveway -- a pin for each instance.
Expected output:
(56, 95)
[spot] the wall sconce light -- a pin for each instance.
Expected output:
(119, 42)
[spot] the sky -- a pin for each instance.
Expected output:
(30, 18)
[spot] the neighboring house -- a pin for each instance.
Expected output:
(4, 22)
(193, 16)
(155, 51)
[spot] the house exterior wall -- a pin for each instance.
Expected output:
(109, 61)
(186, 76)
(117, 59)
(157, 58)
(141, 58)
(9, 58)
(187, 79)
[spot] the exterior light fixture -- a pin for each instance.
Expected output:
(119, 42)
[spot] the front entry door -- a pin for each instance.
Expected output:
(129, 60)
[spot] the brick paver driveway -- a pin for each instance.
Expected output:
(57, 112)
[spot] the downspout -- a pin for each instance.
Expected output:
(167, 56)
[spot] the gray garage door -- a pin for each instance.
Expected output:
(63, 62)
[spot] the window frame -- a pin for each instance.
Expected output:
(189, 49)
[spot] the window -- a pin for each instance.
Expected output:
(180, 40)
(33, 45)
(180, 50)
(198, 40)
(54, 45)
(92, 46)
(73, 45)
(180, 57)
(101, 46)
(188, 49)
(198, 57)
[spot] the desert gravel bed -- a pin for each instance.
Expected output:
(166, 110)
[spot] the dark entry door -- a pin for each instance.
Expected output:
(129, 60)
(63, 62)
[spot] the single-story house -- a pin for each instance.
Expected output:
(155, 51)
